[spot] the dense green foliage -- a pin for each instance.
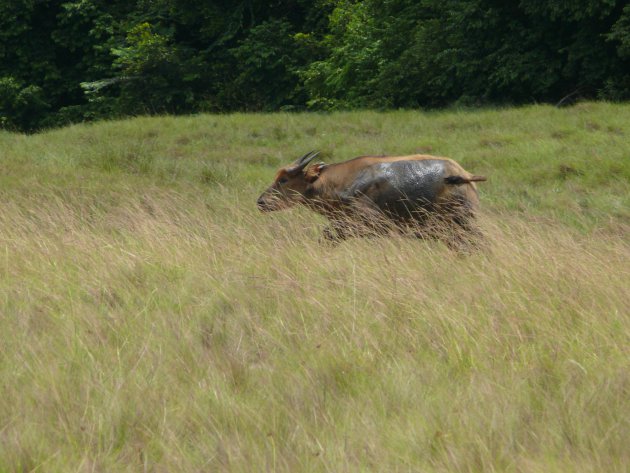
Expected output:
(66, 61)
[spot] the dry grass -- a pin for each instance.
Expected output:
(153, 334)
(153, 320)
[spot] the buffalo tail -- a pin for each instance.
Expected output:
(456, 180)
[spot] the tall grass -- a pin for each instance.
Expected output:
(153, 320)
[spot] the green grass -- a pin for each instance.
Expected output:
(153, 320)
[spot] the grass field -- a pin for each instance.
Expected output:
(153, 320)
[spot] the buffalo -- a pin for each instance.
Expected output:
(417, 193)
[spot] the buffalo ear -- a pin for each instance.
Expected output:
(312, 173)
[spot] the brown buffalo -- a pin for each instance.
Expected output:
(406, 192)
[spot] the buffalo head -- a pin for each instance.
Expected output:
(290, 184)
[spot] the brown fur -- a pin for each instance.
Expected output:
(320, 186)
(341, 175)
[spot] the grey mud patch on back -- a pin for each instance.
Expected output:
(400, 185)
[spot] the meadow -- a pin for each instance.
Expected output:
(153, 320)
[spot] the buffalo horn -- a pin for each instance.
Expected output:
(301, 163)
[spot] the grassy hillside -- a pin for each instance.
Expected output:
(153, 320)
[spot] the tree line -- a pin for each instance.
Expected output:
(68, 61)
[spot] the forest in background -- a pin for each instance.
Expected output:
(68, 61)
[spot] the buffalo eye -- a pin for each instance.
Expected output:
(283, 180)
